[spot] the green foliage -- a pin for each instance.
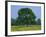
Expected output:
(26, 12)
(12, 21)
(26, 17)
(38, 21)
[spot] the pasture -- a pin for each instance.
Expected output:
(25, 28)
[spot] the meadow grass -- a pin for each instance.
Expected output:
(25, 28)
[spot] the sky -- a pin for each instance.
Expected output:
(16, 8)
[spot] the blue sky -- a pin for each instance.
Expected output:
(15, 8)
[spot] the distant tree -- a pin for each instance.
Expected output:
(26, 16)
(39, 21)
(12, 21)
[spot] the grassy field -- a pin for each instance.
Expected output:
(25, 28)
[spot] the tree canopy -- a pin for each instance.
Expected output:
(25, 16)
